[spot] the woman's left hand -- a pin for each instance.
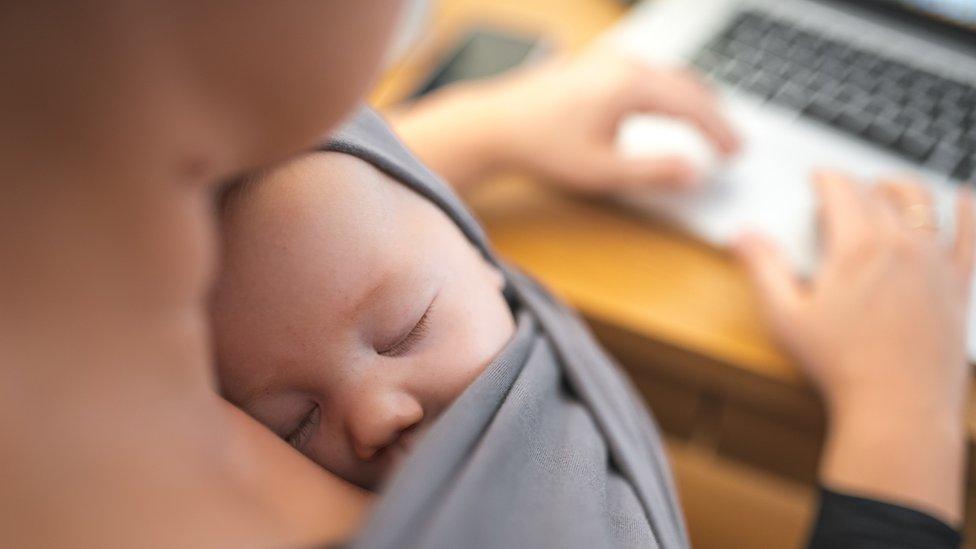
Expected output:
(558, 120)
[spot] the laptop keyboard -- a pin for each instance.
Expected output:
(922, 116)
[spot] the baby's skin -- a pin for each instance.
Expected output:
(350, 311)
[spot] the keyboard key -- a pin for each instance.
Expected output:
(853, 119)
(825, 84)
(807, 40)
(793, 96)
(884, 132)
(953, 101)
(944, 129)
(835, 67)
(864, 81)
(776, 66)
(892, 71)
(921, 84)
(852, 95)
(951, 117)
(763, 84)
(881, 107)
(801, 77)
(707, 61)
(868, 64)
(775, 42)
(946, 158)
(910, 117)
(966, 171)
(733, 72)
(968, 99)
(966, 143)
(891, 90)
(915, 145)
(747, 54)
(920, 102)
(824, 108)
(802, 56)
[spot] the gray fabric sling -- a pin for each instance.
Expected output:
(549, 447)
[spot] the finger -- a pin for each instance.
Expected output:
(691, 78)
(965, 246)
(888, 191)
(668, 172)
(779, 289)
(888, 207)
(681, 97)
(905, 191)
(907, 196)
(843, 212)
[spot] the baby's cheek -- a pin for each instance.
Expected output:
(486, 329)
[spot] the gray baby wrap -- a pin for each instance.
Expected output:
(549, 447)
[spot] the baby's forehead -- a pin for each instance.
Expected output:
(325, 216)
(329, 181)
(319, 208)
(332, 195)
(304, 242)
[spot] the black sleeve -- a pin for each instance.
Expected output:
(849, 522)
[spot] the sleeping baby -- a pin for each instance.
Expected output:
(351, 311)
(360, 308)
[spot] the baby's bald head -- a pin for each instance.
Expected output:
(350, 310)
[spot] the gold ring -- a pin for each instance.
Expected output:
(920, 216)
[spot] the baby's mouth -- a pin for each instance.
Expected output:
(397, 449)
(407, 439)
(387, 459)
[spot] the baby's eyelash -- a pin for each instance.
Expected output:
(416, 334)
(300, 435)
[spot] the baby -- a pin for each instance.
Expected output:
(351, 311)
(360, 307)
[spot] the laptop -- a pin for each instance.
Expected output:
(872, 88)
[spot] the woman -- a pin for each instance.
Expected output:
(119, 121)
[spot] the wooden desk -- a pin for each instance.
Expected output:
(743, 426)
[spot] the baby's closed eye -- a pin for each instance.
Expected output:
(407, 341)
(302, 432)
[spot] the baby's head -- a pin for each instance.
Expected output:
(351, 311)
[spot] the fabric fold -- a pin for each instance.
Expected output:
(551, 446)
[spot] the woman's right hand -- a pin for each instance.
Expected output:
(881, 331)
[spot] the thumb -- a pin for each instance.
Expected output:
(779, 290)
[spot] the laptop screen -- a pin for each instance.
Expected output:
(961, 13)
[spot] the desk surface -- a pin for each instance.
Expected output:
(621, 270)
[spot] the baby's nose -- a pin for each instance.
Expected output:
(378, 420)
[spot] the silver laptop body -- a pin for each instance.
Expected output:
(871, 88)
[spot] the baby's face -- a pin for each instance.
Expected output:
(351, 312)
